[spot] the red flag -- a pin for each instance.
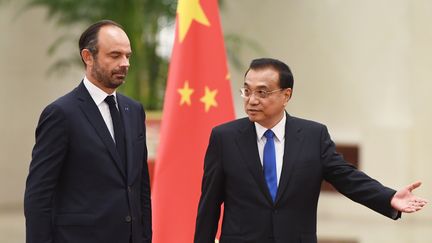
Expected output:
(197, 98)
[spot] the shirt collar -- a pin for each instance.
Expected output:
(96, 93)
(278, 129)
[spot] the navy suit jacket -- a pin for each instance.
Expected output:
(233, 175)
(78, 189)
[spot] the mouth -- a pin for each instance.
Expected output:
(253, 111)
(120, 75)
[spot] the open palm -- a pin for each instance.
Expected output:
(405, 201)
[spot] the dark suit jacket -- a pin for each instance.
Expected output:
(233, 175)
(78, 189)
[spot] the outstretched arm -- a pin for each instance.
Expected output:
(405, 201)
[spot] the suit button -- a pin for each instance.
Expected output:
(129, 189)
(128, 219)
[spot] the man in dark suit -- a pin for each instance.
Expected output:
(267, 170)
(88, 180)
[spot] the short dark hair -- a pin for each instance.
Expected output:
(89, 38)
(286, 79)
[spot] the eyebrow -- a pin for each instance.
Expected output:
(258, 87)
(119, 52)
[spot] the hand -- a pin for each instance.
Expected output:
(406, 202)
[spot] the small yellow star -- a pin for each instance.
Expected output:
(185, 94)
(209, 98)
(189, 10)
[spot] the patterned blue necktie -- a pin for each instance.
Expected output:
(269, 163)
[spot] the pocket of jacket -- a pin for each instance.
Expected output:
(74, 220)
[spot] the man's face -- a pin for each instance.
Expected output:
(110, 66)
(266, 111)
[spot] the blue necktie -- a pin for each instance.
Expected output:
(269, 163)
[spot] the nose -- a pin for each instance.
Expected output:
(253, 100)
(125, 62)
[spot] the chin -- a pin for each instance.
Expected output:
(252, 118)
(117, 83)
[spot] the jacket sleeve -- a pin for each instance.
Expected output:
(212, 193)
(48, 156)
(145, 192)
(352, 182)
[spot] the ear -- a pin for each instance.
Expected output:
(287, 94)
(87, 57)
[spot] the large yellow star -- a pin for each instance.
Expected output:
(185, 94)
(189, 10)
(209, 98)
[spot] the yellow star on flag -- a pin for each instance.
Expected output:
(185, 94)
(209, 98)
(189, 10)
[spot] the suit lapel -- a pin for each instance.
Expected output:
(92, 113)
(125, 114)
(247, 144)
(293, 141)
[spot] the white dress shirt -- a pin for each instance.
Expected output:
(98, 97)
(279, 141)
